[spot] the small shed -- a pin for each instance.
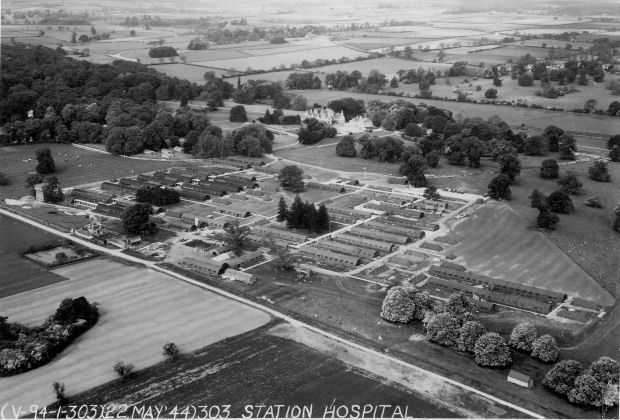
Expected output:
(520, 379)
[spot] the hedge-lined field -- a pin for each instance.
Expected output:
(140, 310)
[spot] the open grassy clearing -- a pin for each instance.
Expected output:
(20, 274)
(136, 307)
(496, 241)
(74, 166)
(425, 31)
(275, 370)
(514, 116)
(557, 43)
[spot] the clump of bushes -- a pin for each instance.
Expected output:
(23, 349)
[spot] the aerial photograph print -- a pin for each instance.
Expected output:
(282, 209)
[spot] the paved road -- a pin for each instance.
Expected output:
(277, 314)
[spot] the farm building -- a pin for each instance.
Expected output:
(193, 195)
(366, 242)
(137, 183)
(230, 164)
(162, 181)
(331, 256)
(411, 223)
(258, 240)
(214, 191)
(397, 180)
(233, 212)
(582, 303)
(280, 234)
(342, 218)
(325, 187)
(482, 305)
(241, 276)
(385, 227)
(431, 205)
(348, 249)
(498, 284)
(520, 379)
(382, 236)
(349, 181)
(266, 170)
(208, 267)
(220, 249)
(119, 189)
(113, 210)
(391, 209)
(257, 193)
(245, 259)
(331, 208)
(181, 226)
(90, 196)
(240, 179)
(220, 223)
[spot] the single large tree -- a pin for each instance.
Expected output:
(295, 217)
(605, 369)
(523, 336)
(414, 169)
(234, 235)
(491, 350)
(346, 147)
(538, 199)
(549, 169)
(282, 210)
(443, 328)
(323, 219)
(46, 163)
(598, 171)
(510, 166)
(499, 188)
(545, 349)
(586, 391)
(469, 334)
(552, 134)
(136, 219)
(52, 193)
(399, 304)
(291, 178)
(237, 114)
(570, 183)
(546, 219)
(561, 377)
(559, 202)
(567, 146)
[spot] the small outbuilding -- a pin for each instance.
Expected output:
(520, 379)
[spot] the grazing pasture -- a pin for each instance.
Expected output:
(496, 241)
(140, 311)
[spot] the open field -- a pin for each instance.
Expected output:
(267, 62)
(494, 240)
(135, 306)
(275, 370)
(187, 71)
(20, 274)
(511, 91)
(514, 116)
(585, 235)
(74, 166)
